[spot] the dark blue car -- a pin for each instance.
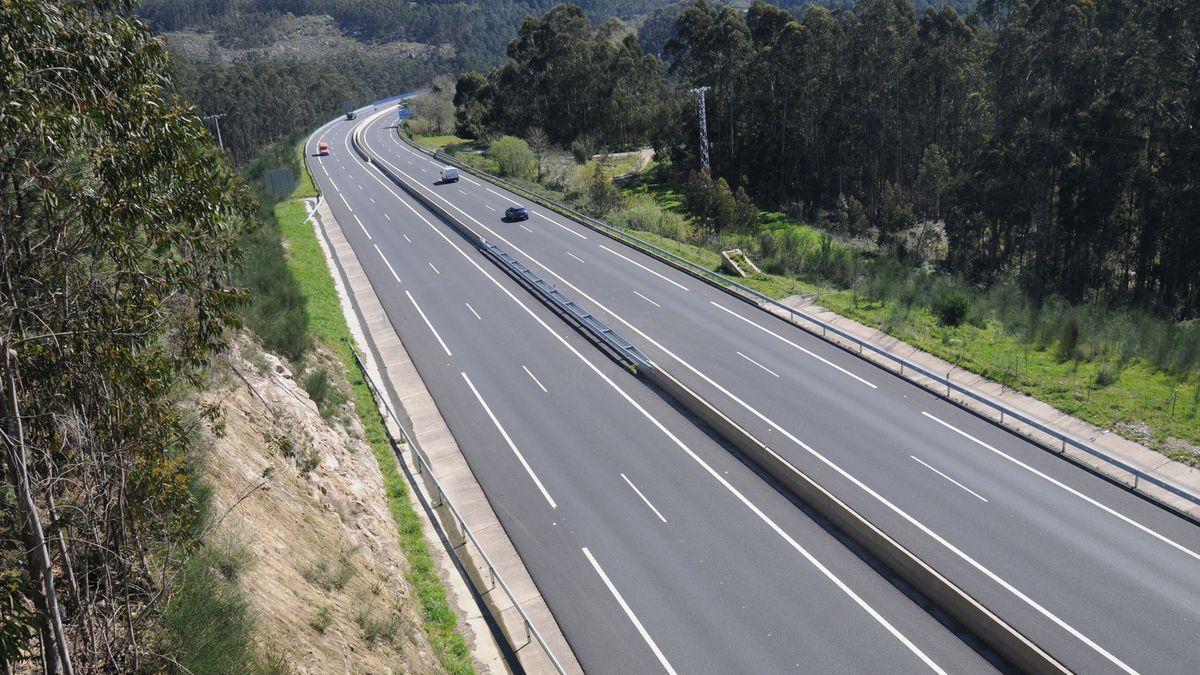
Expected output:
(516, 212)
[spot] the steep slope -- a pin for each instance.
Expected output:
(302, 494)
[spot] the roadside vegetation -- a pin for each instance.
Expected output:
(326, 325)
(900, 259)
(121, 227)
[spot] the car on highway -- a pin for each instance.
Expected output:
(449, 174)
(516, 212)
(351, 115)
(322, 148)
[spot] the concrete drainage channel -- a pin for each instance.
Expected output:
(990, 628)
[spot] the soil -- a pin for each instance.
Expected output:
(326, 574)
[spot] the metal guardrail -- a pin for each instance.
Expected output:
(762, 301)
(594, 325)
(422, 466)
(590, 323)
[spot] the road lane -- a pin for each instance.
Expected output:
(600, 423)
(1082, 574)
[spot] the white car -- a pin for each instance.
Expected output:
(449, 174)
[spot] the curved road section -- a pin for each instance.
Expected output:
(1102, 579)
(654, 546)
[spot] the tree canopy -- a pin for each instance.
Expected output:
(1058, 140)
(119, 232)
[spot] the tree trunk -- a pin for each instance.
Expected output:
(39, 553)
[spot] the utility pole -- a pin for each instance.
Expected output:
(703, 126)
(217, 120)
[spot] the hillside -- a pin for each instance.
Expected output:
(306, 529)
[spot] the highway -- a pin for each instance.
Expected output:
(1099, 577)
(655, 547)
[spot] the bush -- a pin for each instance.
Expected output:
(647, 216)
(951, 308)
(207, 625)
(322, 391)
(602, 195)
(514, 158)
(1068, 341)
(582, 149)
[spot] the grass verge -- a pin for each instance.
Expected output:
(1114, 384)
(306, 261)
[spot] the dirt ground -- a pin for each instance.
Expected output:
(326, 573)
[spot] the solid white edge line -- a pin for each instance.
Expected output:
(903, 639)
(535, 380)
(346, 202)
(772, 333)
(927, 466)
(660, 276)
(629, 612)
(385, 262)
(639, 493)
(433, 268)
(758, 364)
(473, 311)
(427, 323)
(574, 256)
(1068, 488)
(511, 445)
(647, 299)
(792, 437)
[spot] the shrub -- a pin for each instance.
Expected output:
(647, 216)
(766, 244)
(322, 391)
(602, 195)
(951, 307)
(1068, 341)
(514, 158)
(582, 149)
(322, 620)
(207, 625)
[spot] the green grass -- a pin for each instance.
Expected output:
(1106, 391)
(442, 142)
(306, 261)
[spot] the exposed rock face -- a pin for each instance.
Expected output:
(326, 576)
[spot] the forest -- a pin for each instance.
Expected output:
(1055, 141)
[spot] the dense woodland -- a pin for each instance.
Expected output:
(1058, 141)
(265, 99)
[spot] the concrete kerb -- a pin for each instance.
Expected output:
(990, 628)
(387, 361)
(1144, 459)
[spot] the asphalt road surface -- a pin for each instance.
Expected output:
(1099, 577)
